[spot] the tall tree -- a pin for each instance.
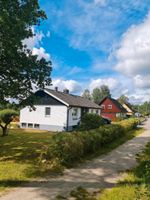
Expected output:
(19, 68)
(105, 91)
(96, 95)
(86, 94)
(99, 93)
(123, 99)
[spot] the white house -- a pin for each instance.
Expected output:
(56, 111)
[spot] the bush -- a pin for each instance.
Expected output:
(6, 117)
(68, 148)
(90, 121)
(128, 124)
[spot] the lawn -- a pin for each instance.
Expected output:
(18, 156)
(19, 153)
(136, 185)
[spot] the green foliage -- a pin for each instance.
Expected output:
(136, 186)
(123, 99)
(69, 148)
(128, 124)
(86, 94)
(144, 108)
(6, 116)
(78, 194)
(19, 68)
(90, 121)
(99, 93)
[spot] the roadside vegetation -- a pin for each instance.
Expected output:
(136, 185)
(28, 154)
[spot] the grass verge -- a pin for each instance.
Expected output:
(136, 185)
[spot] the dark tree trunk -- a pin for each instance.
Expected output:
(5, 131)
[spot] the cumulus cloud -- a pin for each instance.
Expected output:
(34, 43)
(41, 53)
(142, 81)
(134, 54)
(72, 85)
(110, 82)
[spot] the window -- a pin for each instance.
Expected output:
(36, 125)
(118, 115)
(30, 125)
(103, 106)
(97, 112)
(75, 113)
(92, 110)
(109, 106)
(47, 111)
(23, 125)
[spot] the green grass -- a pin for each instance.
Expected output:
(136, 185)
(18, 156)
(20, 150)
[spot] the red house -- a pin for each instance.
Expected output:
(112, 109)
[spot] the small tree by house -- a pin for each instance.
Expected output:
(6, 117)
(90, 121)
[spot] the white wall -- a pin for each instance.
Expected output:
(72, 119)
(58, 115)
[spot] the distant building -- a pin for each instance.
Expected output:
(129, 109)
(112, 109)
(56, 111)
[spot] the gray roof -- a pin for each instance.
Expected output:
(73, 100)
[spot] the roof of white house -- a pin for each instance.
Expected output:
(72, 100)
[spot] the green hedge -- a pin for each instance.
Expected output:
(67, 148)
(90, 121)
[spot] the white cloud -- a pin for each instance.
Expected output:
(134, 58)
(110, 82)
(35, 40)
(134, 52)
(72, 85)
(41, 53)
(48, 34)
(142, 81)
(34, 43)
(100, 2)
(75, 70)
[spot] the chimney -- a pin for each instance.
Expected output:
(66, 91)
(56, 88)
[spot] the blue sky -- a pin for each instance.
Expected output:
(95, 42)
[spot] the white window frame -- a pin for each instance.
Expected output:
(103, 106)
(75, 113)
(48, 115)
(109, 107)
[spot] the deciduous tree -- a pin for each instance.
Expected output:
(19, 68)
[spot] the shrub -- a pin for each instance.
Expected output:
(128, 124)
(6, 117)
(68, 148)
(90, 121)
